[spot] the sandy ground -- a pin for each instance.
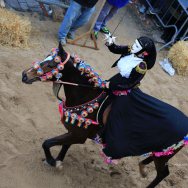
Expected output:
(29, 115)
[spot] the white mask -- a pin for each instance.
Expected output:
(136, 47)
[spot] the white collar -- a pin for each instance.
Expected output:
(127, 63)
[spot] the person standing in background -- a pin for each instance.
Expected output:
(109, 9)
(77, 15)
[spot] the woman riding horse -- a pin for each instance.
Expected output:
(137, 124)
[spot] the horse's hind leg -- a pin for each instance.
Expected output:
(161, 166)
(142, 165)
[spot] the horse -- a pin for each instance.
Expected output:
(85, 112)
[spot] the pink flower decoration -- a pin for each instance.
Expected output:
(186, 142)
(164, 153)
(61, 109)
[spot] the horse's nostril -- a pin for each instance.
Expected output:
(24, 77)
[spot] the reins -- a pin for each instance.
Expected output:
(77, 85)
(85, 69)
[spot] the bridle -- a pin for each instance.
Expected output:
(80, 112)
(77, 62)
(55, 71)
(73, 114)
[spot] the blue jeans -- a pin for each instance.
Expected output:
(107, 12)
(75, 17)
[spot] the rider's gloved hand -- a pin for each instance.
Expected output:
(109, 39)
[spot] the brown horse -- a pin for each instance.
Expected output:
(84, 112)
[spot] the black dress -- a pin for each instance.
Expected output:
(139, 123)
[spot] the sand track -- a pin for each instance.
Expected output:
(29, 115)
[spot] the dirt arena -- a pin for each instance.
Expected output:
(29, 115)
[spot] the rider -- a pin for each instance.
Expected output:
(139, 123)
(133, 63)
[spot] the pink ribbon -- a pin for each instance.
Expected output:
(107, 159)
(61, 109)
(186, 142)
(163, 153)
(119, 93)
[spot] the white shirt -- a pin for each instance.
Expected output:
(127, 63)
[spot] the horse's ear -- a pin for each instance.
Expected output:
(61, 50)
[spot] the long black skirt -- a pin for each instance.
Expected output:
(139, 124)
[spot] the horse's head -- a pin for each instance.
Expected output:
(48, 69)
(70, 70)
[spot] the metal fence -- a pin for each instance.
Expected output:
(60, 3)
(33, 5)
(173, 17)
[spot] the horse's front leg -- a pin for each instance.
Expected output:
(64, 140)
(62, 153)
(61, 156)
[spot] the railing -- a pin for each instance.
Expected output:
(63, 3)
(23, 5)
(171, 14)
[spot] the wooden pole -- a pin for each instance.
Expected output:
(89, 33)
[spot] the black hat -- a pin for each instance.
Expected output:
(149, 47)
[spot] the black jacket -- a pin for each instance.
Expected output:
(116, 49)
(87, 3)
(118, 82)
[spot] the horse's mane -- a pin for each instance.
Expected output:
(79, 73)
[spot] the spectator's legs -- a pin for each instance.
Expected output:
(112, 12)
(71, 15)
(104, 12)
(84, 17)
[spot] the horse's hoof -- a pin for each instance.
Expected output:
(45, 162)
(59, 165)
(142, 170)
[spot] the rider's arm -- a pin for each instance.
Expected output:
(118, 82)
(116, 49)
